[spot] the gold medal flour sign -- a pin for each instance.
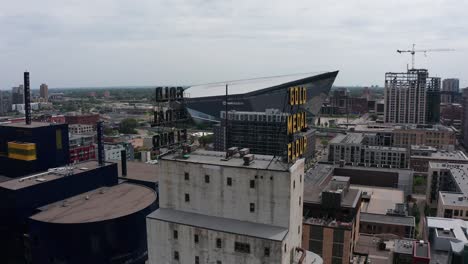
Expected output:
(297, 123)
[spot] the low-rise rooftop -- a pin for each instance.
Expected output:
(50, 175)
(98, 205)
(442, 155)
(220, 224)
(140, 171)
(459, 173)
(32, 125)
(380, 199)
(388, 219)
(349, 138)
(261, 162)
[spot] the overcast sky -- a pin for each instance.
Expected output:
(154, 42)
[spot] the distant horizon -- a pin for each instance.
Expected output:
(154, 86)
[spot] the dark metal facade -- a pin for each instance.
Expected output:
(209, 108)
(115, 241)
(51, 146)
(19, 204)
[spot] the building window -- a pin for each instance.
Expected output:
(218, 243)
(455, 212)
(219, 262)
(337, 250)
(300, 178)
(300, 200)
(195, 238)
(175, 234)
(252, 207)
(229, 181)
(207, 178)
(285, 247)
(294, 184)
(197, 260)
(298, 229)
(252, 184)
(187, 197)
(176, 255)
(338, 236)
(186, 176)
(242, 247)
(267, 252)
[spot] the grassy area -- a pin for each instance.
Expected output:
(419, 184)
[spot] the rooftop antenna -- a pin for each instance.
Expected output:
(27, 98)
(226, 124)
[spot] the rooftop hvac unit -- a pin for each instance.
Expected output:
(244, 152)
(248, 159)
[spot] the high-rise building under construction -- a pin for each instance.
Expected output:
(412, 97)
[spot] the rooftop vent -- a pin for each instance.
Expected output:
(244, 152)
(248, 159)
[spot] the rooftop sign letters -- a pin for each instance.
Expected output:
(297, 122)
(169, 112)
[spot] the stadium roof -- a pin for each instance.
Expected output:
(246, 86)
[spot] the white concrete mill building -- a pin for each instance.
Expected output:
(224, 212)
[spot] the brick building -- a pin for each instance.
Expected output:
(85, 119)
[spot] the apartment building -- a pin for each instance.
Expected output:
(353, 149)
(448, 189)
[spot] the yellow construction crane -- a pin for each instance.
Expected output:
(413, 52)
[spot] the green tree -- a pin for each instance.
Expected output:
(128, 125)
(108, 131)
(205, 140)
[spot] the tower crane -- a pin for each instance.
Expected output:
(413, 52)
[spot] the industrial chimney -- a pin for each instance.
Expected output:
(100, 149)
(123, 159)
(27, 98)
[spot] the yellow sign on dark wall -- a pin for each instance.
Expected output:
(22, 151)
(297, 122)
(297, 148)
(297, 95)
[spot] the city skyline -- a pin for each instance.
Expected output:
(181, 43)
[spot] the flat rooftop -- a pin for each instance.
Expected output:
(349, 138)
(388, 219)
(140, 171)
(387, 148)
(32, 125)
(220, 224)
(319, 174)
(459, 173)
(50, 175)
(98, 205)
(444, 155)
(389, 127)
(381, 199)
(312, 192)
(403, 246)
(457, 226)
(457, 199)
(368, 244)
(261, 162)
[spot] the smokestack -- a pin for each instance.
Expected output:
(27, 98)
(123, 159)
(100, 133)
